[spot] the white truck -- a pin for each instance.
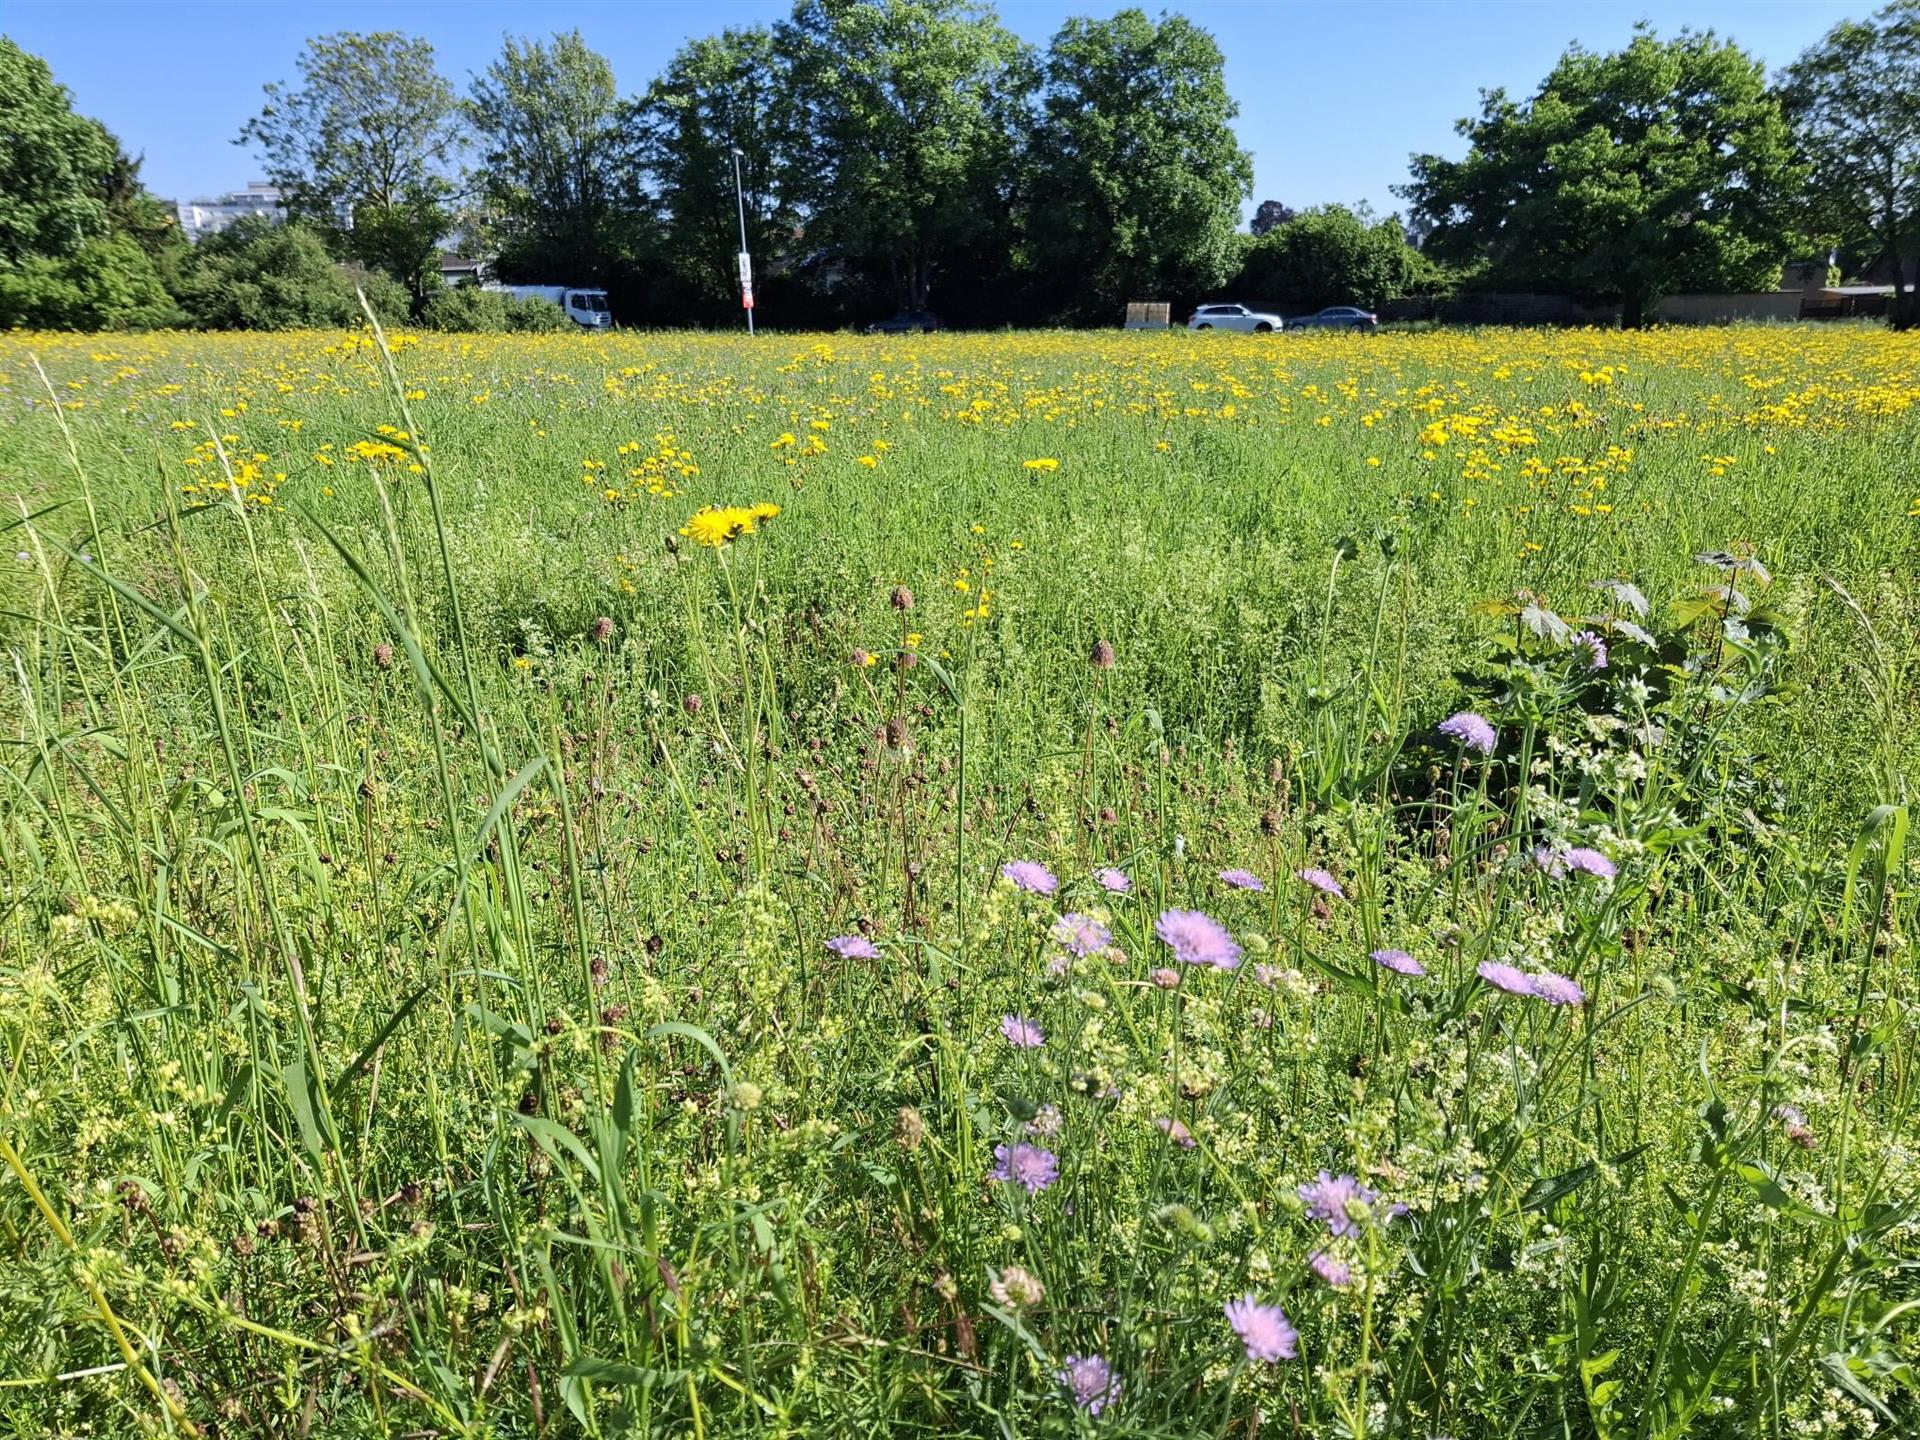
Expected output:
(583, 307)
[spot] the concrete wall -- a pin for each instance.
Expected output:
(1494, 308)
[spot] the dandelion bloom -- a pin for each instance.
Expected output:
(1263, 1329)
(1091, 1381)
(1509, 978)
(854, 947)
(1197, 939)
(1028, 1166)
(1116, 881)
(1471, 731)
(1558, 989)
(1322, 881)
(1589, 861)
(1398, 961)
(1081, 935)
(1243, 880)
(1340, 1202)
(1333, 1273)
(1022, 1033)
(1029, 875)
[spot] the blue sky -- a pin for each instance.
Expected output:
(1333, 96)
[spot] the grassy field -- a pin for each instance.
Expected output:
(1023, 885)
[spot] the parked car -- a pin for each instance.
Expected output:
(1234, 317)
(906, 322)
(1338, 317)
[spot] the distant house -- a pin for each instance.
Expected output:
(459, 270)
(212, 214)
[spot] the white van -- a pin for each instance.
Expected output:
(583, 307)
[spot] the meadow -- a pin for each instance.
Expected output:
(1015, 885)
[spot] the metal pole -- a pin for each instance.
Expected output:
(746, 276)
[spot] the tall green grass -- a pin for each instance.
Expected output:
(416, 1004)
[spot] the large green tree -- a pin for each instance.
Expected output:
(553, 179)
(719, 94)
(912, 112)
(1137, 179)
(78, 235)
(1663, 167)
(363, 146)
(1854, 103)
(1328, 255)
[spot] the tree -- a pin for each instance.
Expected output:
(552, 180)
(717, 95)
(1330, 256)
(1137, 177)
(362, 149)
(1854, 103)
(911, 108)
(256, 275)
(1270, 214)
(1662, 167)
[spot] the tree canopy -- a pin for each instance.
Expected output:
(1661, 167)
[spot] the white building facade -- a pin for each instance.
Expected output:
(200, 218)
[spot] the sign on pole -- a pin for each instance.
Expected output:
(746, 281)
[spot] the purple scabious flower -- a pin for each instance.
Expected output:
(1047, 1120)
(1081, 935)
(1549, 861)
(1263, 1329)
(1509, 978)
(1333, 1273)
(1175, 1131)
(1471, 732)
(1322, 880)
(1197, 939)
(1030, 876)
(1558, 989)
(1028, 1166)
(1596, 647)
(1117, 882)
(1243, 880)
(1091, 1381)
(1339, 1201)
(1398, 961)
(1022, 1033)
(854, 947)
(1589, 861)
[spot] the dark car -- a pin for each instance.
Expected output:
(906, 322)
(1338, 317)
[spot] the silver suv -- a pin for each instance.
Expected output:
(1235, 317)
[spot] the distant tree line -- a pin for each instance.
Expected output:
(916, 154)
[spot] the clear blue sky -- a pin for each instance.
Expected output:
(1333, 94)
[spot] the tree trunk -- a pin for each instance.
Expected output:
(1634, 306)
(1900, 309)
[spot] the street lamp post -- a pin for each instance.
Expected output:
(746, 261)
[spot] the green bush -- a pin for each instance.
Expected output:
(256, 275)
(107, 284)
(468, 307)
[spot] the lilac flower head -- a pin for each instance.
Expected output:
(1509, 978)
(1047, 1120)
(1589, 861)
(1471, 731)
(1243, 880)
(1081, 935)
(1595, 646)
(1166, 978)
(1263, 1329)
(1558, 989)
(1398, 961)
(1116, 881)
(1339, 1201)
(1175, 1131)
(1197, 939)
(1322, 881)
(1091, 1380)
(1334, 1274)
(1022, 1033)
(1030, 876)
(1549, 861)
(854, 947)
(1028, 1166)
